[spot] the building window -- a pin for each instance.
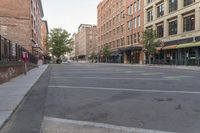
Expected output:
(130, 10)
(189, 23)
(135, 7)
(118, 43)
(135, 38)
(160, 10)
(138, 19)
(173, 27)
(173, 5)
(122, 28)
(122, 42)
(188, 2)
(149, 1)
(135, 22)
(138, 36)
(160, 31)
(130, 25)
(131, 37)
(138, 5)
(128, 40)
(150, 15)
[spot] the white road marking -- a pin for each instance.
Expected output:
(51, 125)
(149, 74)
(123, 89)
(177, 77)
(108, 72)
(107, 78)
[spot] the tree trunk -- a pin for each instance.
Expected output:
(150, 59)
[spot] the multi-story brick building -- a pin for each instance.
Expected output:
(120, 26)
(85, 41)
(20, 21)
(44, 35)
(134, 14)
(111, 27)
(177, 23)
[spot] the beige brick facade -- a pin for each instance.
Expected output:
(177, 23)
(178, 15)
(86, 41)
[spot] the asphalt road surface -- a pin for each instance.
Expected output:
(132, 96)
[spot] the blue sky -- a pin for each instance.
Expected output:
(69, 14)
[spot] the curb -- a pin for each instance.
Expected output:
(23, 97)
(182, 67)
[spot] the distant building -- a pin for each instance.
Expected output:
(85, 41)
(21, 22)
(72, 54)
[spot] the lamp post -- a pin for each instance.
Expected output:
(131, 28)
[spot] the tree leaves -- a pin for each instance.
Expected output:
(59, 41)
(150, 41)
(106, 51)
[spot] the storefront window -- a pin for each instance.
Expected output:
(192, 53)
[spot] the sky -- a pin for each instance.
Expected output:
(69, 14)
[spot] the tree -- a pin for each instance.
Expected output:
(150, 42)
(93, 56)
(58, 42)
(106, 52)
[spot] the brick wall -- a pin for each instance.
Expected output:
(15, 22)
(16, 30)
(10, 70)
(15, 8)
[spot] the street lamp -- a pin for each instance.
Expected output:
(131, 28)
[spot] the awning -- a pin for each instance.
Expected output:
(166, 47)
(188, 45)
(115, 53)
(134, 47)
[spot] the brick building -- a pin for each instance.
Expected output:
(120, 26)
(20, 22)
(44, 35)
(85, 41)
(111, 27)
(177, 23)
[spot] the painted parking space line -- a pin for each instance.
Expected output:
(105, 72)
(124, 89)
(53, 125)
(178, 77)
(150, 74)
(109, 78)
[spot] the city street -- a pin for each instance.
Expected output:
(164, 99)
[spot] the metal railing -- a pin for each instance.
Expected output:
(10, 51)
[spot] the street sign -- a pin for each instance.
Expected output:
(25, 56)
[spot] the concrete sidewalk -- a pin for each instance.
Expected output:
(13, 92)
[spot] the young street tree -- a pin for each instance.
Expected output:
(106, 52)
(150, 42)
(58, 42)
